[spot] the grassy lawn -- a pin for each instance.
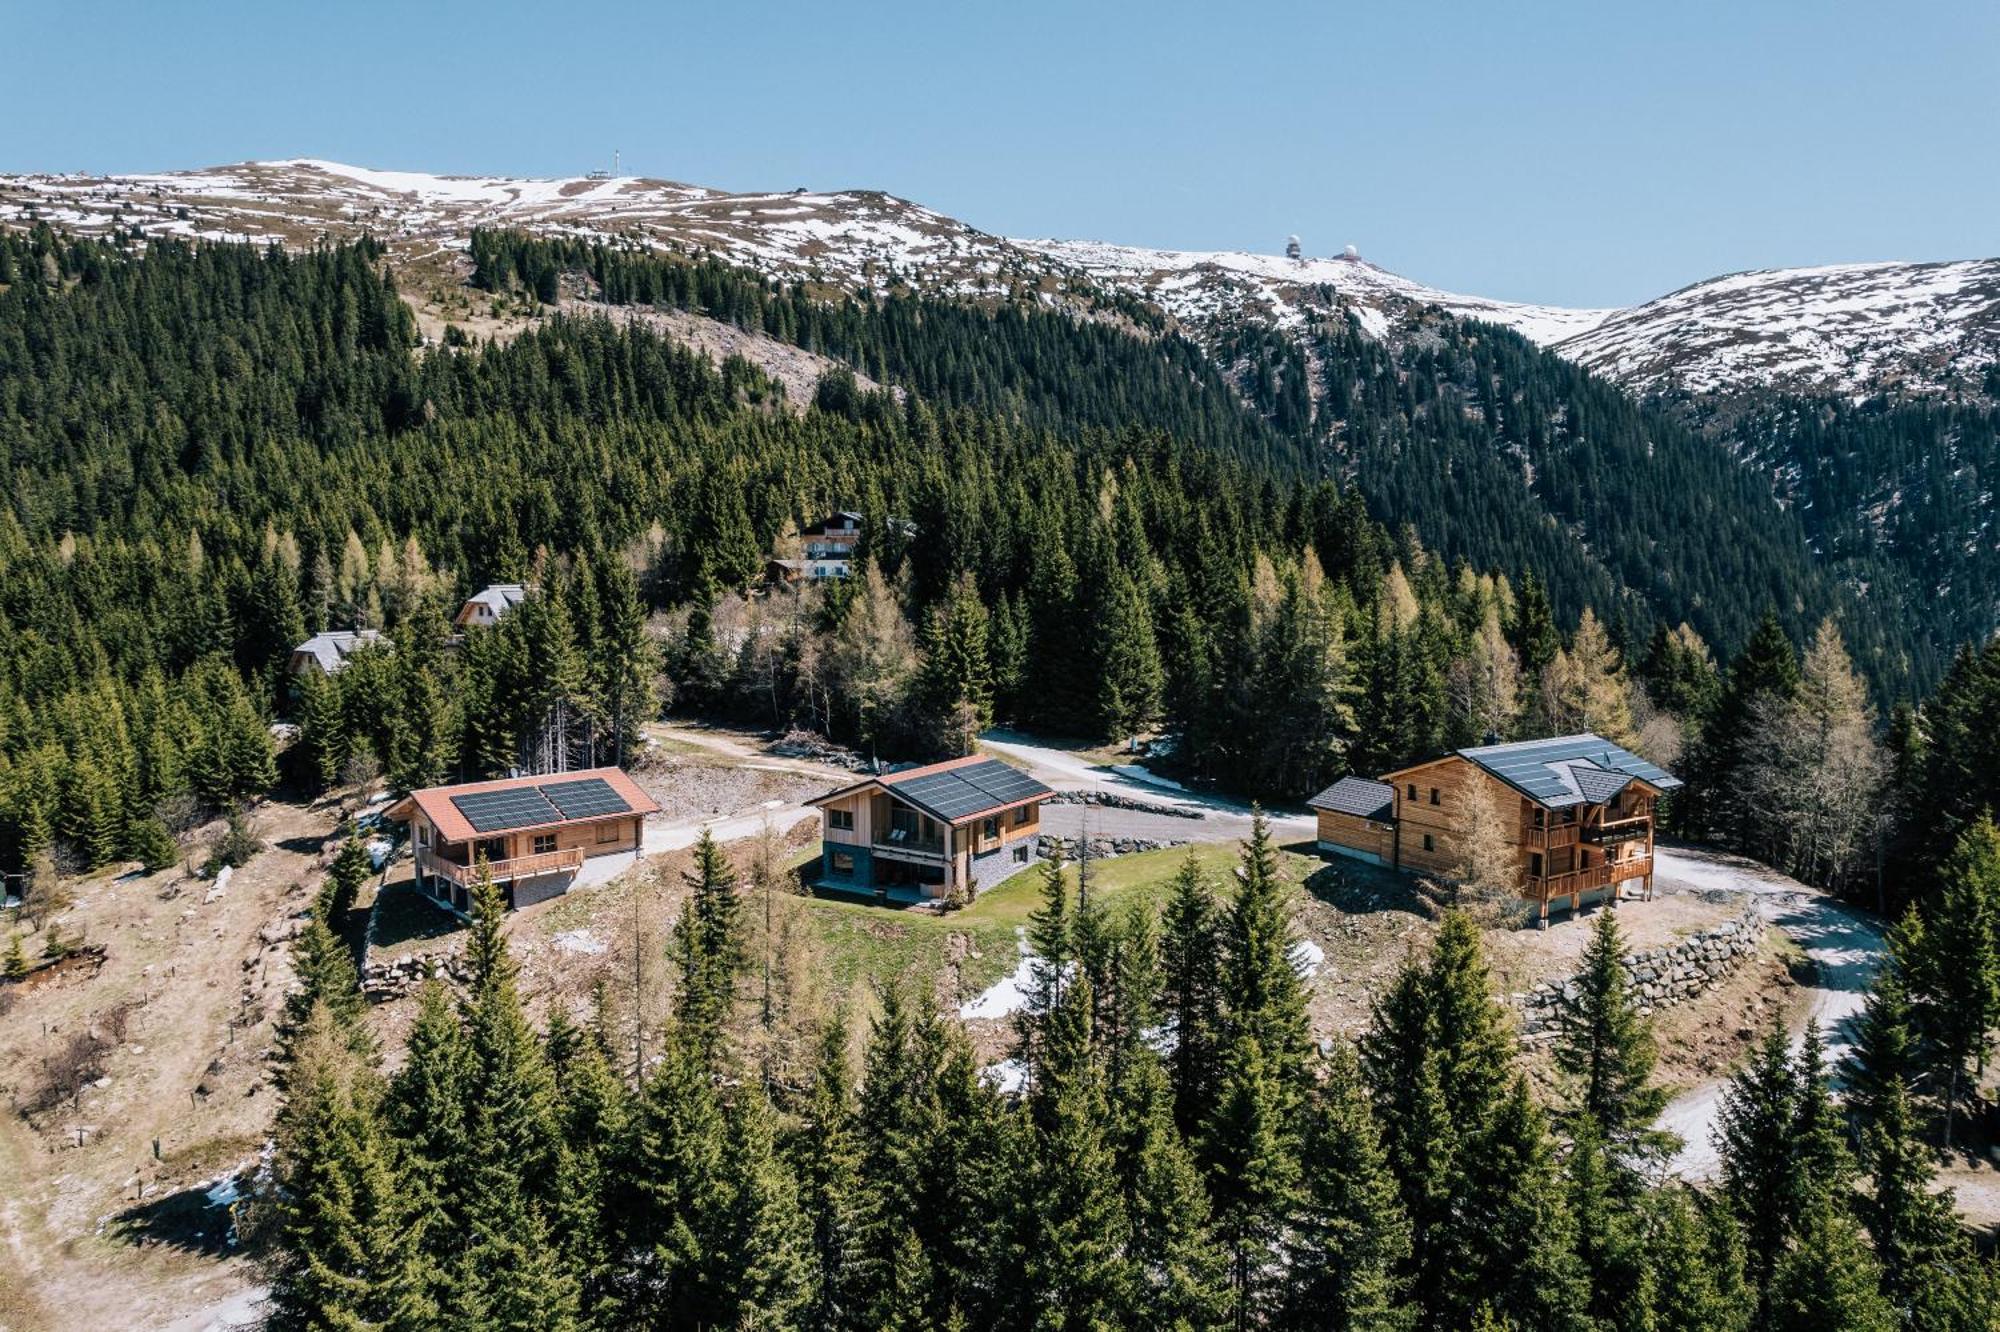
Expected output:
(406, 922)
(859, 940)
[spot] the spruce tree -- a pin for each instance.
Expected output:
(1606, 1048)
(1826, 1278)
(827, 1159)
(340, 1237)
(1694, 1280)
(1191, 990)
(771, 1272)
(708, 948)
(1347, 1241)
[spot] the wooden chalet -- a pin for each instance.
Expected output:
(532, 834)
(1578, 809)
(924, 833)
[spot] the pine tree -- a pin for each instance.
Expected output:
(1252, 1155)
(1076, 1227)
(676, 1224)
(1695, 1279)
(1191, 990)
(592, 1119)
(954, 685)
(426, 1115)
(16, 966)
(1262, 996)
(771, 1271)
(1347, 1242)
(827, 1159)
(708, 948)
(1955, 976)
(153, 846)
(1607, 1049)
(1178, 1272)
(1827, 1278)
(339, 1226)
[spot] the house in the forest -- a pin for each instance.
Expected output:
(491, 603)
(931, 832)
(1577, 810)
(534, 835)
(327, 653)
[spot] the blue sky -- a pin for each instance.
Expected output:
(1584, 154)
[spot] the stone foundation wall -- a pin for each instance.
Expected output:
(1659, 977)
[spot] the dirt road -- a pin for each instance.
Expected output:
(1844, 945)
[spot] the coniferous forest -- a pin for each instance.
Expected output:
(214, 451)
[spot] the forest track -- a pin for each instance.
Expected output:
(1843, 944)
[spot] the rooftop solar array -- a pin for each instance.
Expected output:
(538, 806)
(586, 798)
(960, 793)
(1537, 767)
(514, 807)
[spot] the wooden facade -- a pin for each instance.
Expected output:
(897, 837)
(1578, 811)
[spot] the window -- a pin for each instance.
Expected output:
(902, 824)
(1541, 817)
(1429, 845)
(1434, 795)
(841, 862)
(1021, 854)
(1022, 815)
(423, 834)
(545, 844)
(1413, 791)
(1569, 814)
(1534, 864)
(608, 832)
(840, 820)
(989, 829)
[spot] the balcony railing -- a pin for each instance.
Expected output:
(520, 867)
(912, 843)
(1624, 830)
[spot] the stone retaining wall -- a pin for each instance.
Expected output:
(1112, 800)
(1659, 977)
(1102, 848)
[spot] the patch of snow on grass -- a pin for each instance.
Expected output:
(1007, 995)
(579, 941)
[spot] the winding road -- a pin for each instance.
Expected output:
(1844, 945)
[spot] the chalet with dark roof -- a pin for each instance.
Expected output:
(923, 834)
(1578, 809)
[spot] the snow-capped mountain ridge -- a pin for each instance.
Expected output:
(1851, 330)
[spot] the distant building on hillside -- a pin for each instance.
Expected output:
(326, 654)
(922, 834)
(491, 603)
(1578, 810)
(827, 549)
(532, 834)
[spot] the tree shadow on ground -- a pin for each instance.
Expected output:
(186, 1221)
(1358, 888)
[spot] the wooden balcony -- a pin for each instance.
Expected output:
(520, 867)
(1552, 838)
(1589, 880)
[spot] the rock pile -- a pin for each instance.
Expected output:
(1658, 977)
(393, 978)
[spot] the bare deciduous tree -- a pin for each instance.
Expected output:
(1815, 771)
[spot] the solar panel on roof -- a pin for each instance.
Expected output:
(497, 811)
(585, 798)
(960, 793)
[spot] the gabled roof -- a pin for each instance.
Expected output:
(332, 648)
(1566, 770)
(521, 804)
(1357, 796)
(956, 791)
(498, 598)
